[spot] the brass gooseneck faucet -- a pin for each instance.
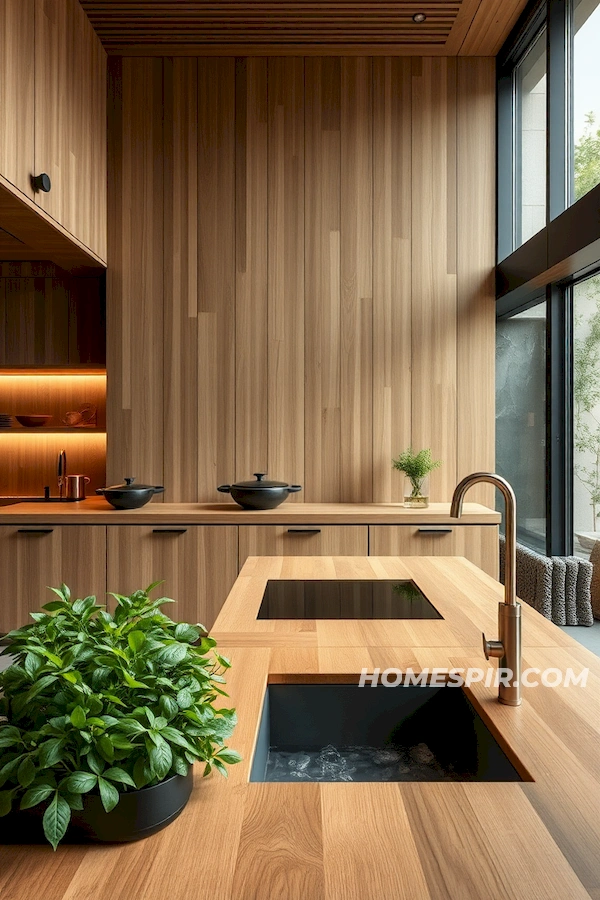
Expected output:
(508, 648)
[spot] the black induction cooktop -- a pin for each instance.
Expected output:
(345, 600)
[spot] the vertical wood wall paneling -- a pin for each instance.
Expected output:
(216, 279)
(327, 272)
(433, 272)
(251, 345)
(181, 425)
(356, 261)
(17, 18)
(392, 160)
(135, 289)
(323, 478)
(286, 270)
(475, 231)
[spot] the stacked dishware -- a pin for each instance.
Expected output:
(5, 420)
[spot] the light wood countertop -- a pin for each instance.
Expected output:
(97, 511)
(537, 840)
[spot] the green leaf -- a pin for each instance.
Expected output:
(108, 794)
(51, 752)
(161, 757)
(106, 748)
(229, 756)
(5, 802)
(56, 820)
(117, 774)
(132, 682)
(121, 743)
(176, 737)
(78, 718)
(36, 795)
(220, 767)
(185, 632)
(180, 765)
(173, 654)
(136, 640)
(185, 699)
(26, 772)
(95, 763)
(80, 782)
(168, 707)
(32, 664)
(38, 687)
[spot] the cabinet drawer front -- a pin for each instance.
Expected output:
(478, 543)
(196, 563)
(302, 540)
(37, 556)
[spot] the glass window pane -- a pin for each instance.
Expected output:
(586, 414)
(530, 169)
(586, 96)
(521, 418)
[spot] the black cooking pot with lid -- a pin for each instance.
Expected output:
(259, 494)
(130, 495)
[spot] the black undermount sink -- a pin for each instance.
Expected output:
(342, 732)
(330, 599)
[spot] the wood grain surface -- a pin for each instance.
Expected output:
(312, 290)
(411, 841)
(147, 28)
(97, 510)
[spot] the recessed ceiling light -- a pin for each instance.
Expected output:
(419, 18)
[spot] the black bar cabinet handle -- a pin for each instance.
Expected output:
(36, 530)
(169, 530)
(304, 531)
(434, 530)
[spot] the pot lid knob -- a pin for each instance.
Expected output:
(129, 480)
(259, 475)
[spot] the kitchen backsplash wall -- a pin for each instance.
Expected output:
(300, 275)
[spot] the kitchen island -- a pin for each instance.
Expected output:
(539, 838)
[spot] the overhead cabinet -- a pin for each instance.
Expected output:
(17, 93)
(53, 118)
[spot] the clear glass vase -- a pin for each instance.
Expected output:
(416, 492)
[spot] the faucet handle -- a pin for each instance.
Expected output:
(492, 648)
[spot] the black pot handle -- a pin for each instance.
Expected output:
(224, 488)
(100, 490)
(294, 488)
(158, 489)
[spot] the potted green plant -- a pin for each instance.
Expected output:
(416, 467)
(103, 715)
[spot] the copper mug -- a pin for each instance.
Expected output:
(76, 486)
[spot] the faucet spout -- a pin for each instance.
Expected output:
(508, 648)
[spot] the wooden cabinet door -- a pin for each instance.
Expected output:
(37, 557)
(197, 563)
(70, 120)
(17, 93)
(303, 540)
(479, 543)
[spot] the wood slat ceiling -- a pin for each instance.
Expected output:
(285, 27)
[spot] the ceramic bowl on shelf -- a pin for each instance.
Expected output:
(33, 421)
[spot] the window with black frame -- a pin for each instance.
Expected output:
(548, 337)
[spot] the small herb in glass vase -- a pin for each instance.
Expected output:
(416, 468)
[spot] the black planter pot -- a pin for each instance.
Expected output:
(137, 815)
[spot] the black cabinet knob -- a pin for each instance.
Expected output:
(41, 182)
